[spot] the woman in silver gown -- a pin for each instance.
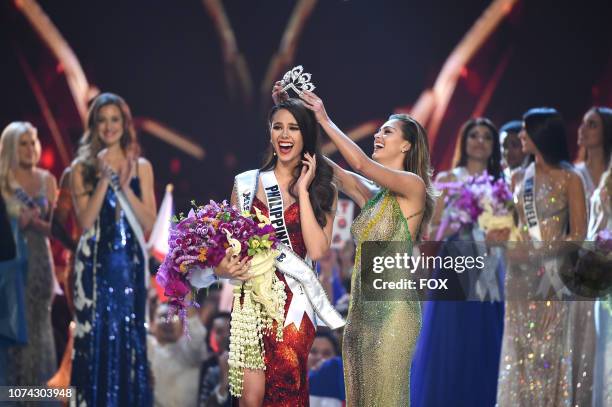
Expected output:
(537, 346)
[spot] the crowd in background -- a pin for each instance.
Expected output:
(102, 273)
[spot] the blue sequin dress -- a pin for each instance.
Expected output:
(110, 365)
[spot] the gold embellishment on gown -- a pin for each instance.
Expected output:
(380, 336)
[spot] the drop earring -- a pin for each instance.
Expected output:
(273, 150)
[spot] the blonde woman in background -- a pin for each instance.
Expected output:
(29, 193)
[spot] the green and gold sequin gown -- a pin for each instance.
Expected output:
(380, 336)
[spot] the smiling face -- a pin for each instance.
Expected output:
(28, 149)
(286, 137)
(590, 132)
(109, 124)
(479, 143)
(389, 142)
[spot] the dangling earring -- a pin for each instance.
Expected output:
(273, 151)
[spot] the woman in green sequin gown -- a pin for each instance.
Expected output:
(380, 336)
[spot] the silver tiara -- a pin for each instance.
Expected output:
(298, 80)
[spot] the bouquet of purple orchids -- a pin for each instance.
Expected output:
(200, 241)
(480, 199)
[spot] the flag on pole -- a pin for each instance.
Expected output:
(158, 241)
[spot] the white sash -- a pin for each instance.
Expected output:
(308, 294)
(551, 276)
(80, 299)
(135, 225)
(529, 207)
(487, 283)
(276, 207)
(461, 173)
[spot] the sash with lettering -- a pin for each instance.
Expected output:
(550, 278)
(308, 294)
(80, 297)
(134, 224)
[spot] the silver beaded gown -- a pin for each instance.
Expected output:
(600, 218)
(33, 364)
(542, 361)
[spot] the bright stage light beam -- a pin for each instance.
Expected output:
(77, 81)
(170, 136)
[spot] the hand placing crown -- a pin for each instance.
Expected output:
(297, 80)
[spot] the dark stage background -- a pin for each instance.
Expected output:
(368, 58)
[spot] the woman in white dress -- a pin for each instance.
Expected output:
(601, 218)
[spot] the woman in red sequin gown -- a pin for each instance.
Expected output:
(309, 197)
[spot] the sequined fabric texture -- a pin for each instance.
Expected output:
(380, 336)
(601, 218)
(34, 363)
(286, 361)
(548, 346)
(109, 366)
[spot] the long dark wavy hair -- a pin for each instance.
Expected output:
(605, 114)
(417, 161)
(460, 159)
(546, 129)
(91, 144)
(321, 190)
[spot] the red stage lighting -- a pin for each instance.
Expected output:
(47, 158)
(175, 166)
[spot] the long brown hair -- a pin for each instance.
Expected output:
(91, 144)
(417, 161)
(321, 190)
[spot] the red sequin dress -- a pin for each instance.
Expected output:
(286, 361)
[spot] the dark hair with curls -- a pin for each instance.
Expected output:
(417, 161)
(546, 129)
(91, 144)
(605, 114)
(460, 159)
(321, 190)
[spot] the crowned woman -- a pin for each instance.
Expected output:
(294, 189)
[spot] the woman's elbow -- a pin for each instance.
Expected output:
(359, 165)
(318, 253)
(316, 256)
(84, 224)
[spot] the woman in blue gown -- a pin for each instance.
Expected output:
(457, 355)
(114, 202)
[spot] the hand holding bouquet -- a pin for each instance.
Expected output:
(200, 241)
(478, 200)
